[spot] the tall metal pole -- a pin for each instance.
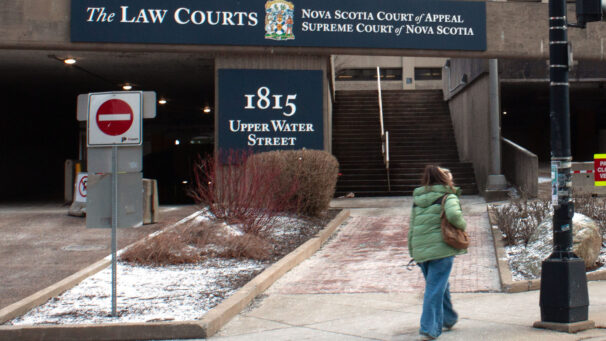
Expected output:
(559, 102)
(563, 297)
(114, 226)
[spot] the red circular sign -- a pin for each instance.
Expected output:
(82, 186)
(114, 117)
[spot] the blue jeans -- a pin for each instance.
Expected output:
(437, 307)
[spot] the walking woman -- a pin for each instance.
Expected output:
(427, 248)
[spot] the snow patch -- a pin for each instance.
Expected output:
(144, 294)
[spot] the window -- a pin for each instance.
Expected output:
(388, 74)
(428, 73)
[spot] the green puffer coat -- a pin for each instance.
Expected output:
(425, 235)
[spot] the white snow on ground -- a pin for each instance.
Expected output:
(145, 294)
(522, 258)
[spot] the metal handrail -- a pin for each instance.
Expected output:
(380, 101)
(384, 134)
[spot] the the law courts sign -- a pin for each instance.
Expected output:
(264, 110)
(410, 24)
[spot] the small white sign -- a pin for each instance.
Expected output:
(80, 187)
(114, 118)
(554, 182)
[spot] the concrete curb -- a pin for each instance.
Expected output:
(23, 306)
(207, 326)
(507, 283)
(214, 319)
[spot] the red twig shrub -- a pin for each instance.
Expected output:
(242, 192)
(315, 171)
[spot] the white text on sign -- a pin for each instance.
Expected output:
(264, 101)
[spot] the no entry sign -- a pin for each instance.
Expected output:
(81, 183)
(599, 161)
(114, 118)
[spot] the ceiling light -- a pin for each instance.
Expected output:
(207, 110)
(162, 101)
(69, 61)
(177, 142)
(127, 87)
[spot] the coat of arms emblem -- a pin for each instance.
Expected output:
(279, 20)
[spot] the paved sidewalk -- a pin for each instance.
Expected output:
(357, 288)
(482, 316)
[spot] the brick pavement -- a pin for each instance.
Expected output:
(369, 255)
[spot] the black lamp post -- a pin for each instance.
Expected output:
(564, 297)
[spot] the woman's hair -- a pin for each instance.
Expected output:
(434, 175)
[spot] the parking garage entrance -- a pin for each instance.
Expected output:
(40, 131)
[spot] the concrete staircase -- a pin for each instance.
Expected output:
(420, 132)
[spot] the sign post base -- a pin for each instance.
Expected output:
(570, 328)
(564, 298)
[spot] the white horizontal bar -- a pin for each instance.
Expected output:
(115, 117)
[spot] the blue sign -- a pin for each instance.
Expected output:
(412, 24)
(263, 110)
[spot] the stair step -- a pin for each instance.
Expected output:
(421, 133)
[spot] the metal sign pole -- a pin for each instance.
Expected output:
(114, 224)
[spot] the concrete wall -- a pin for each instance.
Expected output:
(366, 62)
(281, 63)
(470, 112)
(521, 167)
(407, 64)
(514, 30)
(410, 63)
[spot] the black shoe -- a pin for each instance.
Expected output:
(449, 327)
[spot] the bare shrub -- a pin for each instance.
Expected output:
(593, 207)
(242, 192)
(519, 220)
(247, 246)
(194, 243)
(165, 248)
(314, 171)
(215, 240)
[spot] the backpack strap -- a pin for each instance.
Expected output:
(440, 200)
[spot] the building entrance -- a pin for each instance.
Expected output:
(40, 130)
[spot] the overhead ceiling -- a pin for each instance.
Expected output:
(186, 80)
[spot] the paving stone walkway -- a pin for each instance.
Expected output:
(369, 254)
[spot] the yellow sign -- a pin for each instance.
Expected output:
(599, 164)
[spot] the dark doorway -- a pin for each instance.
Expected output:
(525, 117)
(40, 131)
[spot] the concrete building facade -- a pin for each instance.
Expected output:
(40, 131)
